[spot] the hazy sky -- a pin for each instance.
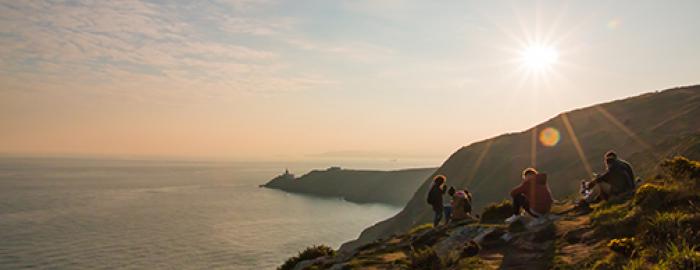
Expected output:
(294, 79)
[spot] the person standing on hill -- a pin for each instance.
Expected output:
(435, 193)
(447, 200)
(617, 179)
(532, 195)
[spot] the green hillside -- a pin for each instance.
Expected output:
(361, 186)
(655, 227)
(642, 129)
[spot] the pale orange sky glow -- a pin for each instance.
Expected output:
(291, 80)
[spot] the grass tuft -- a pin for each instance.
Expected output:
(420, 228)
(615, 220)
(653, 196)
(496, 213)
(309, 253)
(679, 257)
(681, 168)
(623, 246)
(425, 258)
(671, 227)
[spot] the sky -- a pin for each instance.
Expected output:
(290, 80)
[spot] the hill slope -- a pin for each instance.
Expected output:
(655, 227)
(361, 186)
(642, 129)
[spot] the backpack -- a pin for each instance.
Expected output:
(464, 199)
(433, 194)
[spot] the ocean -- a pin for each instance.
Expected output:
(115, 214)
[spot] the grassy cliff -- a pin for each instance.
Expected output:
(642, 129)
(361, 186)
(657, 226)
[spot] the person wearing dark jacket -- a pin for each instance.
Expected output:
(611, 155)
(618, 178)
(532, 195)
(435, 193)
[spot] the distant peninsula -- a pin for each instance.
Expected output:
(359, 186)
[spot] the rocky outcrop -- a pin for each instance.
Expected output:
(462, 245)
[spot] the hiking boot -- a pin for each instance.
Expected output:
(512, 219)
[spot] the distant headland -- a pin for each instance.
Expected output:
(359, 186)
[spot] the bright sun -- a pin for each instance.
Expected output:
(538, 57)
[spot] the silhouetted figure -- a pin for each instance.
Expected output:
(447, 201)
(614, 159)
(461, 205)
(435, 193)
(532, 195)
(618, 178)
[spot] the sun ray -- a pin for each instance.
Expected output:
(577, 144)
(628, 132)
(533, 148)
(477, 165)
(554, 26)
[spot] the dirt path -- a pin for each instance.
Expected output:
(566, 239)
(575, 238)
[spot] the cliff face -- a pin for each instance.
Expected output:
(642, 129)
(389, 187)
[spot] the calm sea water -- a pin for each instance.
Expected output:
(90, 214)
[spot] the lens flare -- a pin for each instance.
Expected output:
(549, 137)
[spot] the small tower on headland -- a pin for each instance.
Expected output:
(287, 175)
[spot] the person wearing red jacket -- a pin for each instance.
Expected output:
(532, 195)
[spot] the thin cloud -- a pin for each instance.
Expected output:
(351, 50)
(114, 43)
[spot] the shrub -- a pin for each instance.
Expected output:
(671, 227)
(637, 264)
(497, 213)
(652, 196)
(309, 253)
(425, 258)
(680, 256)
(623, 246)
(681, 168)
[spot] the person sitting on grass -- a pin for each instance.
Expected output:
(617, 179)
(532, 195)
(435, 193)
(461, 205)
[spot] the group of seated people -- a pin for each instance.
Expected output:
(533, 195)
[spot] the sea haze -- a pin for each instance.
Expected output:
(92, 214)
